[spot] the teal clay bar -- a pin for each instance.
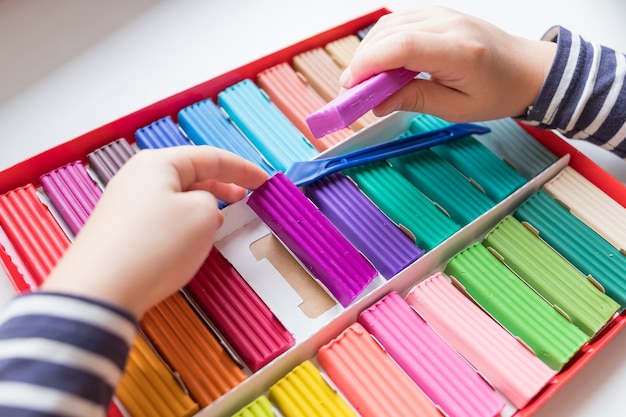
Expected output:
(474, 160)
(548, 273)
(564, 232)
(515, 306)
(404, 204)
(517, 147)
(459, 198)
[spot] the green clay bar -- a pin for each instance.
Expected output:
(474, 160)
(559, 228)
(427, 171)
(515, 306)
(403, 203)
(261, 407)
(548, 273)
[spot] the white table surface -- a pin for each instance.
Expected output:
(69, 66)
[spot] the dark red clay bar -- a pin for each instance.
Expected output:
(240, 315)
(312, 238)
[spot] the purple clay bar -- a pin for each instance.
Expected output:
(368, 228)
(312, 238)
(73, 193)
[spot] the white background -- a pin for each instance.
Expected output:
(69, 66)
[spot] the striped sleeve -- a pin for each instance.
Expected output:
(584, 95)
(61, 355)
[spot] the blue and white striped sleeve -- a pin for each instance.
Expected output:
(584, 95)
(61, 355)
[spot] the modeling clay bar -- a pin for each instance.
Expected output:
(108, 159)
(444, 376)
(264, 125)
(342, 50)
(205, 124)
(517, 307)
(34, 233)
(474, 160)
(365, 226)
(147, 388)
(514, 145)
(550, 275)
(238, 313)
(344, 109)
(590, 204)
(312, 238)
(358, 366)
(261, 407)
(363, 32)
(297, 100)
(459, 198)
(73, 193)
(162, 133)
(499, 357)
(564, 232)
(322, 73)
(305, 392)
(403, 203)
(191, 350)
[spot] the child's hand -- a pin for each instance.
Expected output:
(153, 226)
(478, 72)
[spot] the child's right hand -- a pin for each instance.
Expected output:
(478, 71)
(153, 226)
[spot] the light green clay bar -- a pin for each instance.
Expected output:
(548, 273)
(577, 242)
(261, 407)
(515, 306)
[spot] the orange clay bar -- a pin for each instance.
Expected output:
(191, 350)
(147, 387)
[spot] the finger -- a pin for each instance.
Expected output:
(196, 164)
(425, 96)
(225, 192)
(417, 51)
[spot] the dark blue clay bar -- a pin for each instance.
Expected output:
(366, 227)
(205, 124)
(278, 140)
(108, 159)
(160, 134)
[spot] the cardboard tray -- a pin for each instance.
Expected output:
(242, 228)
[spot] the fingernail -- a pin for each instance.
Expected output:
(346, 77)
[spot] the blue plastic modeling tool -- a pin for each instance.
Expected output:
(305, 172)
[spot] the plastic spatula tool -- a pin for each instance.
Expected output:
(305, 172)
(353, 103)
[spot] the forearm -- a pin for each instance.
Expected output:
(61, 355)
(584, 95)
